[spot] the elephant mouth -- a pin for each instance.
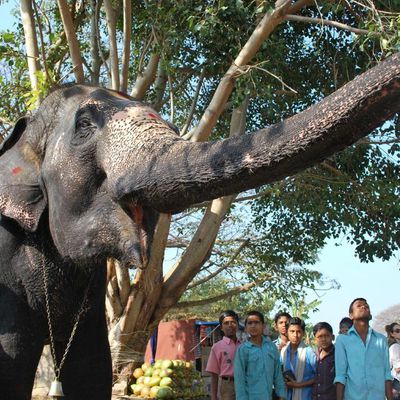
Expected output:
(142, 224)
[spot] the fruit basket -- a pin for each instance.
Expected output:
(167, 379)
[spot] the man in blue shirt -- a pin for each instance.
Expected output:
(362, 359)
(257, 365)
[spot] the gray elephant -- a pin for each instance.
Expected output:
(85, 178)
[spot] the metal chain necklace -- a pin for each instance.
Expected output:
(56, 386)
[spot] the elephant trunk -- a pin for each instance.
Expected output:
(186, 173)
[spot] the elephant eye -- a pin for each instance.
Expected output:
(83, 123)
(84, 128)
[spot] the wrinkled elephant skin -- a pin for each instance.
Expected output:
(60, 173)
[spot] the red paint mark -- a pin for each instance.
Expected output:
(122, 94)
(151, 115)
(16, 170)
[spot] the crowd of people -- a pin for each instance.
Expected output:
(361, 364)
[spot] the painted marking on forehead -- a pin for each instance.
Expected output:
(135, 111)
(16, 170)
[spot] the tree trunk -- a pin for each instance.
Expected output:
(111, 26)
(32, 51)
(127, 44)
(73, 43)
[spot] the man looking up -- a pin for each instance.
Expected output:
(281, 319)
(257, 364)
(220, 361)
(362, 359)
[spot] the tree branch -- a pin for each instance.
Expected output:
(145, 79)
(225, 295)
(320, 21)
(220, 269)
(73, 43)
(127, 44)
(194, 102)
(32, 51)
(267, 25)
(112, 30)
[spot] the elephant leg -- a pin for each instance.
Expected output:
(87, 372)
(21, 344)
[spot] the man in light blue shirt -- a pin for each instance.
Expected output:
(257, 367)
(362, 359)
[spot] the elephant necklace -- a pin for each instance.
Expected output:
(56, 390)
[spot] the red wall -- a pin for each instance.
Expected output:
(175, 340)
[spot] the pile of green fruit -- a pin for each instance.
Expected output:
(167, 379)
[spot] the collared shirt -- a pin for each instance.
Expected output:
(257, 371)
(362, 368)
(277, 342)
(324, 388)
(309, 371)
(220, 361)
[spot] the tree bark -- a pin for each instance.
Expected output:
(112, 26)
(145, 79)
(73, 43)
(94, 51)
(32, 50)
(127, 45)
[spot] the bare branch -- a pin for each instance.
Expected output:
(320, 21)
(222, 268)
(94, 42)
(225, 295)
(145, 79)
(194, 102)
(111, 18)
(32, 51)
(42, 49)
(73, 43)
(127, 44)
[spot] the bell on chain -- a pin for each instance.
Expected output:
(56, 389)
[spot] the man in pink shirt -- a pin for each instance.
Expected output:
(220, 362)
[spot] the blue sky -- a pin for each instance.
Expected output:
(378, 282)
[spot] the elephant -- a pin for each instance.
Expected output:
(85, 178)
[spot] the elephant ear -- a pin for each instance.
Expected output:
(21, 197)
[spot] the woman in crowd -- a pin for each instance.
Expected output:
(299, 363)
(393, 334)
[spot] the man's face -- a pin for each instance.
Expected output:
(280, 325)
(324, 339)
(360, 311)
(295, 334)
(229, 326)
(254, 326)
(344, 329)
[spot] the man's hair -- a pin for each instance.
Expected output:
(389, 331)
(322, 325)
(281, 314)
(296, 321)
(345, 322)
(351, 304)
(228, 313)
(256, 313)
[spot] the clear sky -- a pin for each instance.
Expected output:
(378, 282)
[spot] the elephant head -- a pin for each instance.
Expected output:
(104, 165)
(70, 159)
